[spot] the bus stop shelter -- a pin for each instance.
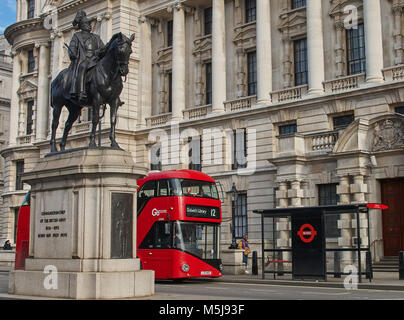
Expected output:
(308, 240)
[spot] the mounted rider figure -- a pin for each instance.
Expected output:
(85, 49)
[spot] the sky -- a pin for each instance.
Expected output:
(7, 14)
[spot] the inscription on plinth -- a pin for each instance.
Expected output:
(52, 232)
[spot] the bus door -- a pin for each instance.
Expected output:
(155, 250)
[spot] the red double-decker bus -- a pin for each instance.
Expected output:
(178, 225)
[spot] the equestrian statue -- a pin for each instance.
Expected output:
(93, 79)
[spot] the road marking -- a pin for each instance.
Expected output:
(326, 293)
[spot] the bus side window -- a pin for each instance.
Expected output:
(159, 237)
(147, 192)
(163, 189)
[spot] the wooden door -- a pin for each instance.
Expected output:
(393, 218)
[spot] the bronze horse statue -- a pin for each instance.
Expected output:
(103, 85)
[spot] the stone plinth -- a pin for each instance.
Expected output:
(232, 260)
(83, 228)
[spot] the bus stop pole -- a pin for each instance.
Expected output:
(358, 238)
(262, 247)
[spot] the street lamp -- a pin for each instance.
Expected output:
(234, 197)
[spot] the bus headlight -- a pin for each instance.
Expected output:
(185, 267)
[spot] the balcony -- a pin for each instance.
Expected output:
(197, 112)
(289, 94)
(344, 83)
(240, 104)
(324, 141)
(309, 144)
(395, 73)
(5, 59)
(28, 139)
(158, 120)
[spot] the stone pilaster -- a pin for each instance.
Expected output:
(340, 49)
(296, 193)
(283, 225)
(345, 222)
(287, 61)
(398, 36)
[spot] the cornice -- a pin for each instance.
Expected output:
(23, 26)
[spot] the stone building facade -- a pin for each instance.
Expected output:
(5, 95)
(284, 103)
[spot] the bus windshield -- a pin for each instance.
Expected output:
(194, 188)
(198, 239)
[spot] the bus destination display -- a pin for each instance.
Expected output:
(202, 212)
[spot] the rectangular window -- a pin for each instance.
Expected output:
(16, 211)
(298, 4)
(343, 121)
(170, 92)
(170, 33)
(208, 78)
(399, 110)
(239, 149)
(195, 154)
(30, 112)
(327, 196)
(252, 73)
(356, 57)
(300, 62)
(30, 9)
(155, 157)
(31, 61)
(250, 10)
(207, 16)
(288, 129)
(240, 221)
(19, 168)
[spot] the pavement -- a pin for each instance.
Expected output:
(380, 281)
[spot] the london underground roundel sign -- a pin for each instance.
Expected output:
(307, 233)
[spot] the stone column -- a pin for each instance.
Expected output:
(43, 92)
(178, 71)
(218, 56)
(146, 72)
(315, 47)
(18, 10)
(373, 40)
(264, 52)
(14, 108)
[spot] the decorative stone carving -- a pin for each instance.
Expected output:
(387, 135)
